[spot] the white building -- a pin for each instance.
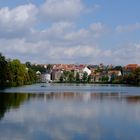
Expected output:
(47, 77)
(87, 70)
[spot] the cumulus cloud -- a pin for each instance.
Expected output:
(46, 52)
(61, 40)
(63, 43)
(123, 53)
(128, 52)
(17, 20)
(62, 9)
(128, 28)
(97, 26)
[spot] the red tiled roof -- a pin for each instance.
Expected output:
(132, 66)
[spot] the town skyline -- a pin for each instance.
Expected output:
(70, 31)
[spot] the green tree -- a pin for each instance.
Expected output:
(40, 68)
(32, 76)
(28, 64)
(49, 68)
(3, 71)
(61, 79)
(85, 77)
(105, 79)
(136, 75)
(77, 77)
(18, 71)
(89, 79)
(132, 78)
(66, 75)
(71, 77)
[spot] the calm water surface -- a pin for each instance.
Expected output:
(70, 112)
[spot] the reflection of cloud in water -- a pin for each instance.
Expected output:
(66, 116)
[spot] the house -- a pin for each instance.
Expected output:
(56, 74)
(87, 70)
(97, 77)
(115, 72)
(48, 77)
(129, 68)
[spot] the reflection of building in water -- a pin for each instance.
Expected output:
(7, 100)
(133, 99)
(79, 96)
(84, 96)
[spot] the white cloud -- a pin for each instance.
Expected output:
(128, 28)
(62, 9)
(128, 53)
(92, 32)
(61, 40)
(47, 52)
(97, 26)
(17, 20)
(76, 35)
(64, 43)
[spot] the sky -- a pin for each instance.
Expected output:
(71, 31)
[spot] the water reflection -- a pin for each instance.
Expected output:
(13, 101)
(69, 116)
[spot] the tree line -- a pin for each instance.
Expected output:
(72, 77)
(133, 78)
(14, 73)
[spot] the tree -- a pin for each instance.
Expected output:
(3, 71)
(71, 77)
(61, 79)
(32, 75)
(77, 77)
(40, 68)
(136, 75)
(105, 79)
(49, 67)
(19, 74)
(14, 73)
(89, 79)
(28, 64)
(85, 77)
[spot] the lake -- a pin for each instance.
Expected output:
(70, 112)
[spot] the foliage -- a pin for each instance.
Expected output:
(40, 68)
(133, 78)
(3, 70)
(71, 77)
(85, 77)
(8, 101)
(49, 68)
(89, 79)
(65, 75)
(77, 77)
(14, 73)
(61, 79)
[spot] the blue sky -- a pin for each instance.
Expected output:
(71, 31)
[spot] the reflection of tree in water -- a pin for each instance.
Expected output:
(8, 101)
(13, 101)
